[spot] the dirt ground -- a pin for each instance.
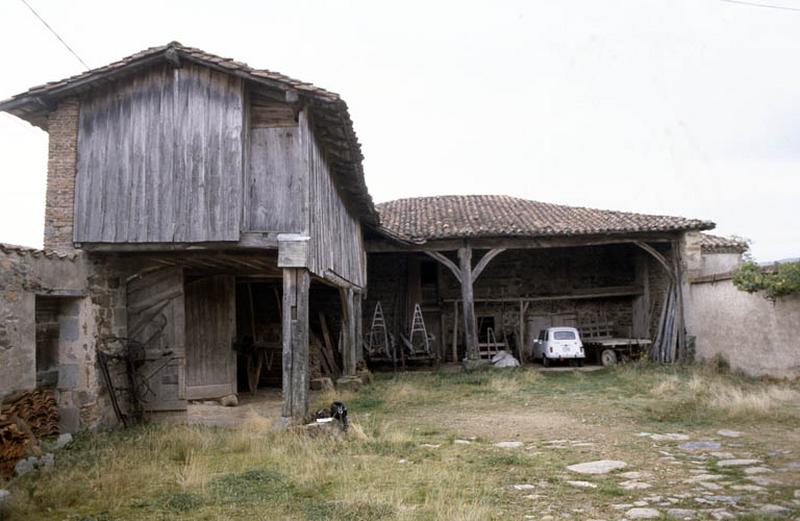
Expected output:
(671, 442)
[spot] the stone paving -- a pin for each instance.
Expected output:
(699, 477)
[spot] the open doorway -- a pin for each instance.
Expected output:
(259, 347)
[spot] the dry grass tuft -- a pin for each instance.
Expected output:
(667, 386)
(193, 473)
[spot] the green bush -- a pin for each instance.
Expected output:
(781, 281)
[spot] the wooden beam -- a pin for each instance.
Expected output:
(660, 258)
(615, 291)
(447, 263)
(487, 258)
(296, 283)
(470, 325)
(519, 243)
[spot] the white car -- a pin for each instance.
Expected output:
(559, 343)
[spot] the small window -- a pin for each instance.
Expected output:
(541, 334)
(563, 335)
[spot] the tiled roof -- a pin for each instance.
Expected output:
(337, 135)
(716, 244)
(464, 216)
(33, 252)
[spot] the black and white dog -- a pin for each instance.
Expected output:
(339, 412)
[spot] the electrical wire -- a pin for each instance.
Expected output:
(769, 6)
(60, 39)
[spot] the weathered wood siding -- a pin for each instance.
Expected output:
(210, 330)
(337, 243)
(160, 159)
(276, 184)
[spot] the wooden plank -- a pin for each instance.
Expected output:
(275, 188)
(160, 159)
(162, 336)
(210, 330)
(336, 240)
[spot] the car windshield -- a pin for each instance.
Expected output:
(563, 335)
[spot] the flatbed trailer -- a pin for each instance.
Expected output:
(611, 350)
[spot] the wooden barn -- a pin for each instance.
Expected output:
(490, 272)
(219, 206)
(220, 238)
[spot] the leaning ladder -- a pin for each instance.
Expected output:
(418, 327)
(378, 334)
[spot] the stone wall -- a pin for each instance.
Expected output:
(755, 335)
(62, 127)
(85, 301)
(26, 275)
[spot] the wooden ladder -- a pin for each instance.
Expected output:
(418, 326)
(378, 334)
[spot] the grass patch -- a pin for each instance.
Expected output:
(252, 472)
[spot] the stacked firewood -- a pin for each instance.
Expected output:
(14, 443)
(37, 409)
(25, 418)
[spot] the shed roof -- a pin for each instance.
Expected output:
(716, 244)
(334, 126)
(473, 216)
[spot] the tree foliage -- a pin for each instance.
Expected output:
(778, 281)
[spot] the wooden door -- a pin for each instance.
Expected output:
(210, 332)
(156, 327)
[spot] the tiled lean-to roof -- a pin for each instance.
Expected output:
(468, 216)
(332, 117)
(716, 244)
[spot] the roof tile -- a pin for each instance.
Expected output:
(472, 216)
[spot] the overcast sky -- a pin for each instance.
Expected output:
(686, 108)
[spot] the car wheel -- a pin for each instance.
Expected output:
(608, 357)
(545, 361)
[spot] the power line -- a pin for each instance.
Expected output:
(769, 6)
(60, 39)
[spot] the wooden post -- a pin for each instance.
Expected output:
(521, 339)
(295, 343)
(348, 332)
(470, 326)
(359, 327)
(455, 331)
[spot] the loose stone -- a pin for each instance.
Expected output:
(670, 436)
(700, 445)
(728, 433)
(757, 470)
(597, 467)
(737, 462)
(509, 444)
(643, 513)
(582, 484)
(523, 486)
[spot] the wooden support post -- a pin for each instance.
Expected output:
(470, 326)
(348, 332)
(359, 327)
(521, 339)
(295, 343)
(455, 331)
